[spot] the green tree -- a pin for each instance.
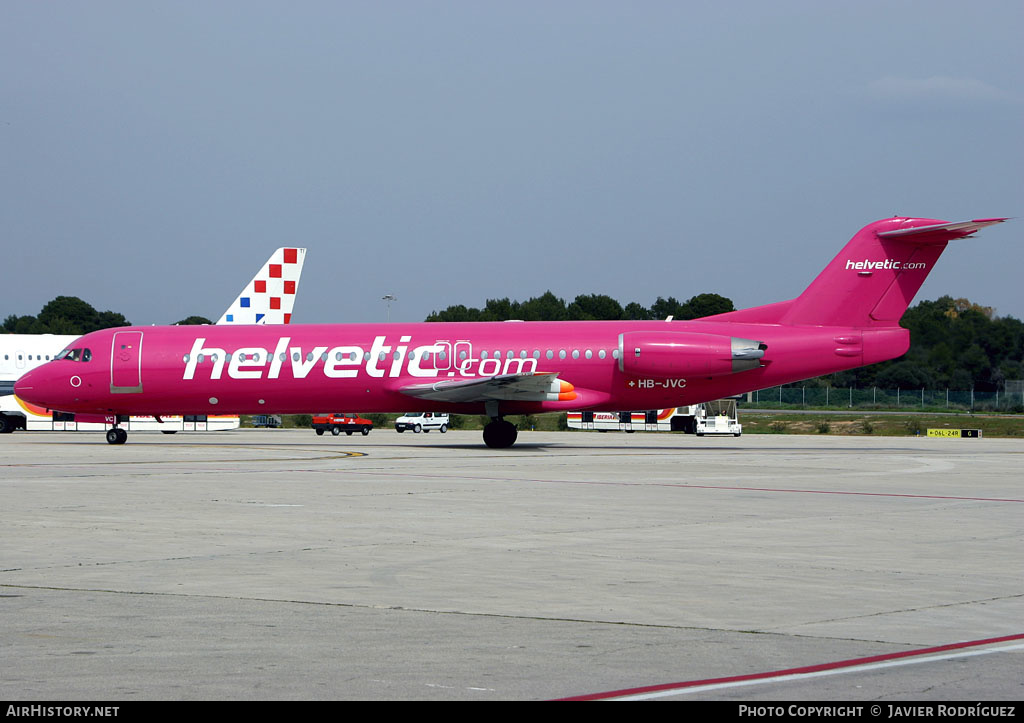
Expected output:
(664, 308)
(975, 362)
(498, 310)
(68, 310)
(23, 325)
(956, 343)
(546, 307)
(906, 375)
(455, 313)
(595, 307)
(703, 305)
(637, 312)
(64, 315)
(109, 320)
(942, 362)
(71, 315)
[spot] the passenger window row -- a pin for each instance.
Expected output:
(442, 356)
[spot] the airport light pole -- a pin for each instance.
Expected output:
(389, 298)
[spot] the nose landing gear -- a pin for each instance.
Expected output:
(116, 435)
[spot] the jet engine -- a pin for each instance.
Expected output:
(684, 353)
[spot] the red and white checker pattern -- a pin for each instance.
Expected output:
(270, 296)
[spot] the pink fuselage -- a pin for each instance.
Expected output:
(364, 367)
(847, 317)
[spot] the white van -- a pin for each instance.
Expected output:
(422, 422)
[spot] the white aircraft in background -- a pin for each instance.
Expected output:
(267, 299)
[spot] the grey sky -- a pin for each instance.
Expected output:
(448, 152)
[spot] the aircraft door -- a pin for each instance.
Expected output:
(442, 359)
(126, 363)
(463, 350)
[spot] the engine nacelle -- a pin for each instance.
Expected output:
(684, 353)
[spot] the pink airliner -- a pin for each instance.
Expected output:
(848, 317)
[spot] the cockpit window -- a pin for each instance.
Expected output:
(76, 355)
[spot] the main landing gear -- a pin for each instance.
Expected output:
(498, 434)
(116, 435)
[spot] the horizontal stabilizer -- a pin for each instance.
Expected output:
(527, 387)
(940, 231)
(875, 277)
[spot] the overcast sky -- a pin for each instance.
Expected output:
(155, 153)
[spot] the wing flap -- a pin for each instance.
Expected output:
(526, 387)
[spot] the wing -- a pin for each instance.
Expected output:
(527, 387)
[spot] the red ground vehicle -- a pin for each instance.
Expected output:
(337, 423)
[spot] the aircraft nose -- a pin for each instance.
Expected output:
(35, 388)
(24, 387)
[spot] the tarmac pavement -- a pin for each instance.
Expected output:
(275, 564)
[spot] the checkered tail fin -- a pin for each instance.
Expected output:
(270, 296)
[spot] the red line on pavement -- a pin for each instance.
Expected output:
(797, 671)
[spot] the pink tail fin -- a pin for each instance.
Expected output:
(872, 281)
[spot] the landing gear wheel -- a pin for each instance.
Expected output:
(116, 435)
(500, 434)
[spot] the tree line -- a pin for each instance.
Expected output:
(955, 344)
(70, 315)
(586, 307)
